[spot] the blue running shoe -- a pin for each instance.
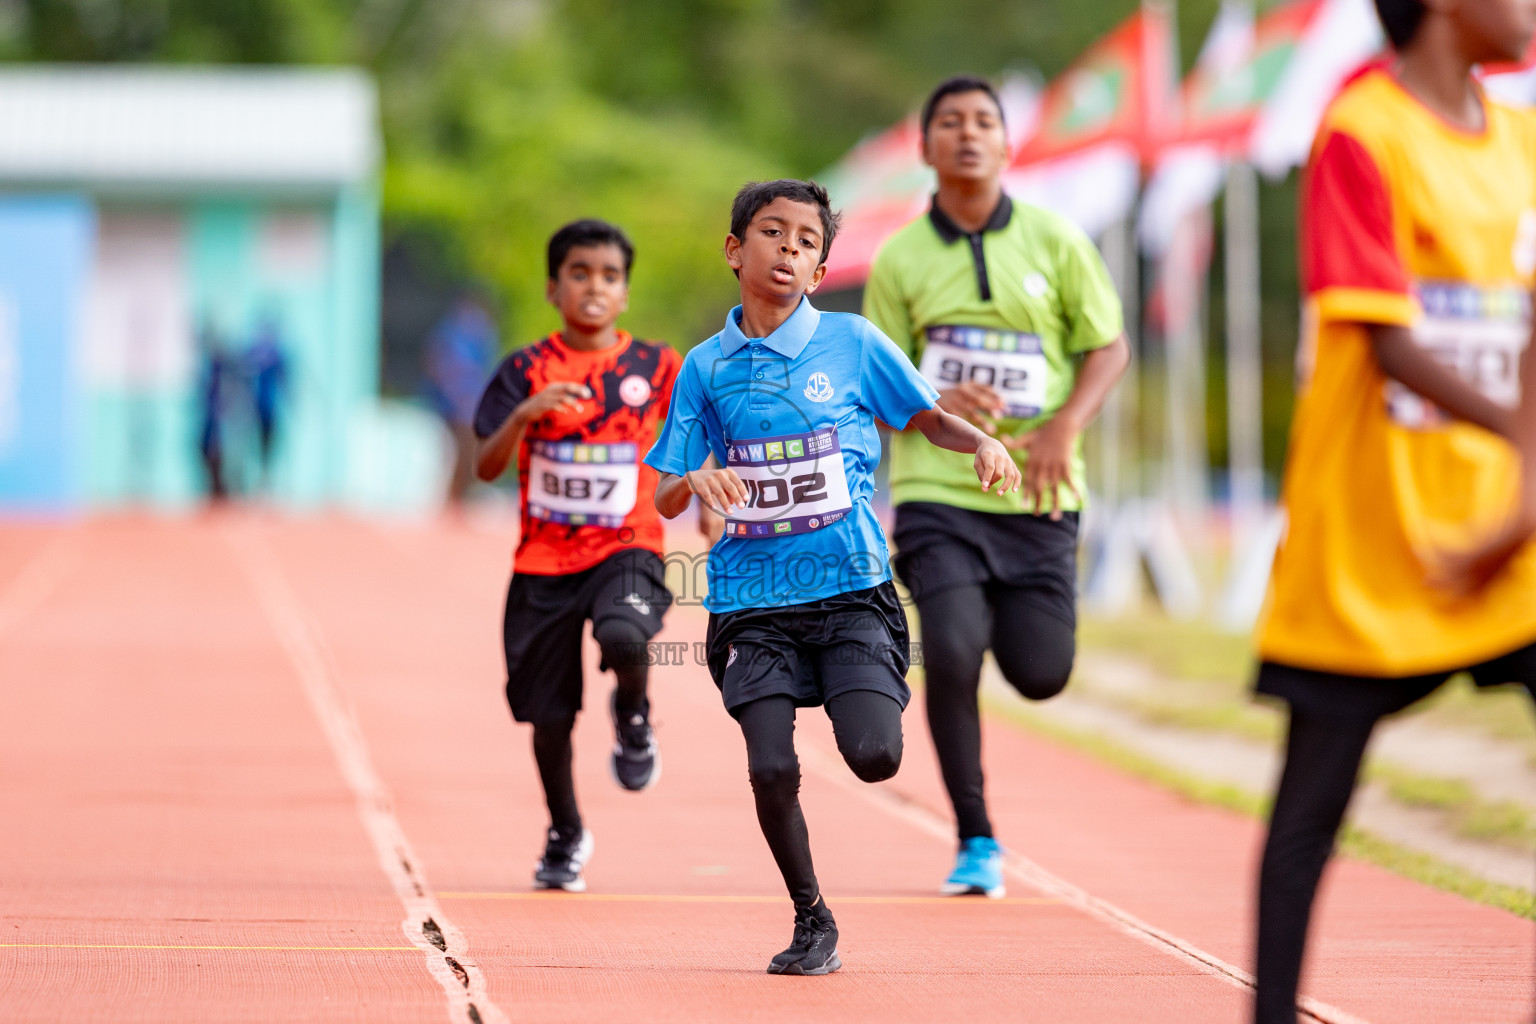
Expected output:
(978, 870)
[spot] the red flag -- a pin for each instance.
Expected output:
(1120, 90)
(1220, 101)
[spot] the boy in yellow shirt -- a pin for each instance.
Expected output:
(1406, 559)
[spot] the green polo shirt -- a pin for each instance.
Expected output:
(1015, 305)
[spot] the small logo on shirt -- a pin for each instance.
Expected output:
(638, 603)
(1034, 284)
(635, 390)
(818, 388)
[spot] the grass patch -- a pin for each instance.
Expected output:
(1421, 867)
(1355, 842)
(1181, 650)
(1499, 821)
(1467, 815)
(1202, 664)
(1502, 713)
(1248, 721)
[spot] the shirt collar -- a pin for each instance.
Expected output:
(950, 231)
(788, 341)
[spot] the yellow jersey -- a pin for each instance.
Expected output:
(1405, 220)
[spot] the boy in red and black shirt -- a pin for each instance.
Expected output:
(578, 410)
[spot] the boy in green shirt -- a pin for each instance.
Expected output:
(1008, 311)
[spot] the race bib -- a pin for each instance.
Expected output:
(1478, 332)
(1008, 362)
(795, 484)
(582, 484)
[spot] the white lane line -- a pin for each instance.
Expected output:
(429, 930)
(1043, 881)
(39, 578)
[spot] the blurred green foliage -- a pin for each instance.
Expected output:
(505, 118)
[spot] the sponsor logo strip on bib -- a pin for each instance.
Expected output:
(795, 484)
(582, 484)
(1009, 362)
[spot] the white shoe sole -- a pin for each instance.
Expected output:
(579, 860)
(959, 889)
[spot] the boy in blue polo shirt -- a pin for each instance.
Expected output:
(802, 610)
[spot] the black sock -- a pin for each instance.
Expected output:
(552, 753)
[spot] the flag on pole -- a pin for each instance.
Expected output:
(1257, 93)
(1119, 91)
(880, 185)
(1333, 43)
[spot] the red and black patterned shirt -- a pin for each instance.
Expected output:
(585, 493)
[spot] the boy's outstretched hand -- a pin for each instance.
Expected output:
(995, 466)
(1048, 466)
(721, 490)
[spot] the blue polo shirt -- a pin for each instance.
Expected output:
(794, 413)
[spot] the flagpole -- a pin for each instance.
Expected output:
(1245, 365)
(1113, 585)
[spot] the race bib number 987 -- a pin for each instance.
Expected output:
(1008, 362)
(582, 484)
(794, 483)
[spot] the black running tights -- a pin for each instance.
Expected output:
(1322, 760)
(619, 640)
(867, 725)
(1034, 647)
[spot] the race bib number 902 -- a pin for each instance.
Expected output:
(1008, 362)
(582, 484)
(794, 483)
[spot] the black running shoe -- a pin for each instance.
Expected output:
(636, 761)
(814, 949)
(565, 855)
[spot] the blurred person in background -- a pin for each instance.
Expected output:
(216, 391)
(1410, 487)
(265, 369)
(458, 356)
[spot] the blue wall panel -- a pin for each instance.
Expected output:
(45, 264)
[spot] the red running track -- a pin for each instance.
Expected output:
(245, 759)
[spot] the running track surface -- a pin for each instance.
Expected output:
(245, 759)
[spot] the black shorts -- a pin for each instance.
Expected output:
(812, 652)
(541, 632)
(939, 547)
(1350, 698)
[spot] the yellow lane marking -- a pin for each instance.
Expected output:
(103, 945)
(587, 897)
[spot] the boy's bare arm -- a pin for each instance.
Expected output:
(719, 489)
(1466, 571)
(993, 463)
(492, 454)
(1412, 366)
